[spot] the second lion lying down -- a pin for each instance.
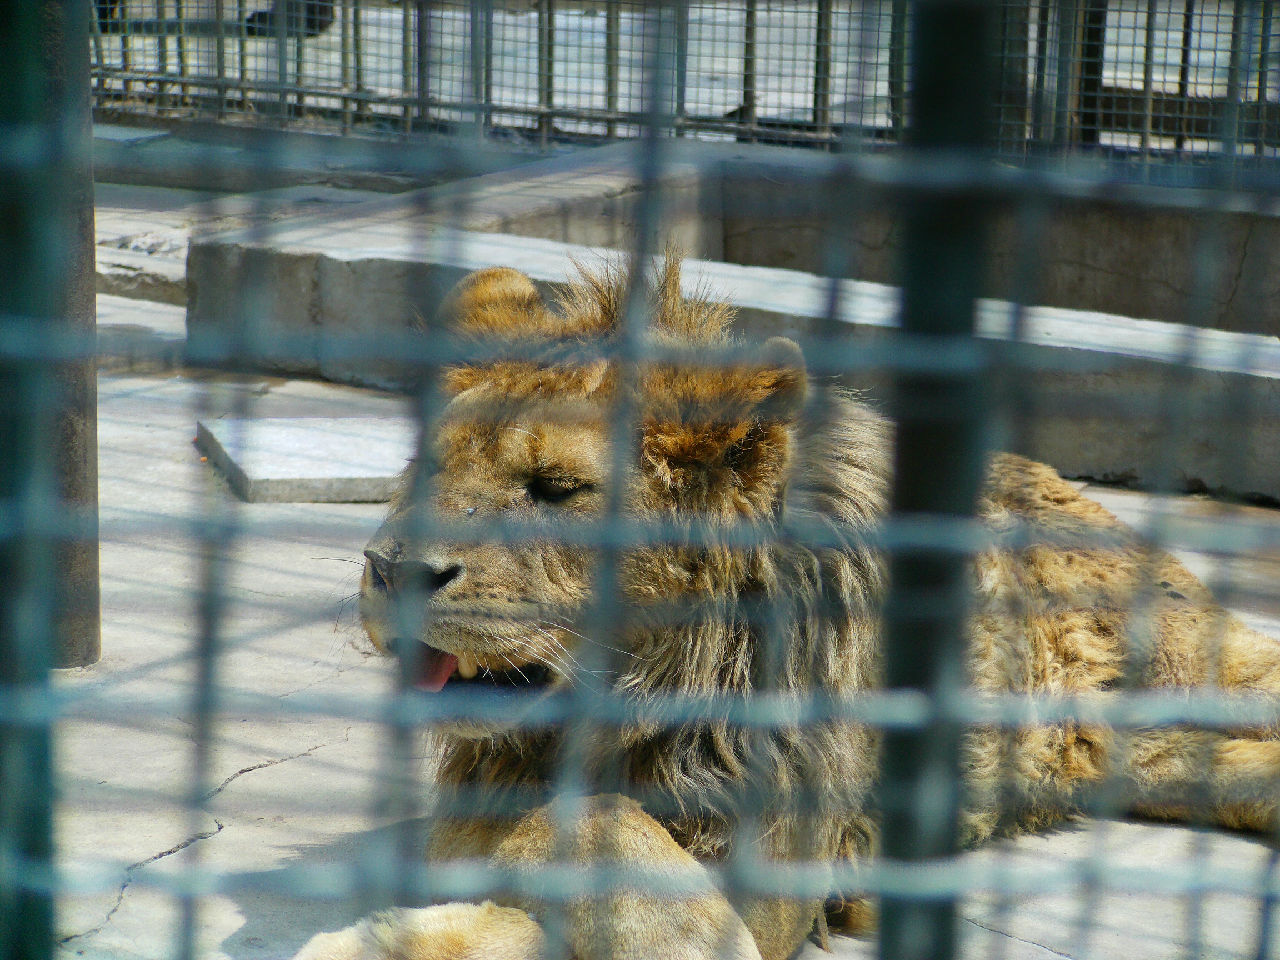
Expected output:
(525, 442)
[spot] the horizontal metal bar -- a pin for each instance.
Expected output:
(560, 881)
(1203, 707)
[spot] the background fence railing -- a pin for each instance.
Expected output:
(1143, 78)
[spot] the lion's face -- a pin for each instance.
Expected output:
(472, 571)
(497, 604)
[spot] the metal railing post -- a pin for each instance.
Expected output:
(822, 70)
(898, 67)
(939, 458)
(48, 435)
(546, 68)
(612, 63)
(749, 23)
(481, 63)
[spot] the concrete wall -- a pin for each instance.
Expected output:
(1082, 254)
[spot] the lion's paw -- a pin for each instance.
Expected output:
(452, 931)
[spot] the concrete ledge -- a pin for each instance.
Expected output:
(313, 459)
(142, 276)
(1106, 397)
(137, 335)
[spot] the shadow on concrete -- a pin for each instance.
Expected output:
(285, 907)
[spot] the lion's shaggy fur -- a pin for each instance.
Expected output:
(720, 446)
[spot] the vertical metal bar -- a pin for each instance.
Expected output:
(606, 617)
(681, 64)
(299, 58)
(48, 432)
(1040, 112)
(1148, 80)
(1093, 31)
(99, 51)
(357, 51)
(546, 68)
(1184, 71)
(422, 62)
(822, 70)
(898, 67)
(938, 461)
(488, 66)
(344, 64)
(220, 55)
(1063, 106)
(242, 54)
(479, 74)
(162, 61)
(180, 46)
(408, 67)
(1011, 132)
(282, 67)
(1264, 53)
(126, 60)
(612, 35)
(1243, 23)
(749, 95)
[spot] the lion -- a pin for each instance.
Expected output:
(720, 602)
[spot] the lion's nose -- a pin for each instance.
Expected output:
(413, 576)
(429, 578)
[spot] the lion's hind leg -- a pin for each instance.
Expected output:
(1228, 777)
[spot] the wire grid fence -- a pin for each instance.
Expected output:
(1138, 79)
(210, 685)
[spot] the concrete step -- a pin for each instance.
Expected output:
(309, 459)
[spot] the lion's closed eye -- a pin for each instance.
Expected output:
(555, 489)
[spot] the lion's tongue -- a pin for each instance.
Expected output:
(435, 670)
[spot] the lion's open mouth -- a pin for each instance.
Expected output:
(436, 668)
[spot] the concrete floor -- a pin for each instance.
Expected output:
(290, 789)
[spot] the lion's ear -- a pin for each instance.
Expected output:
(495, 302)
(781, 378)
(720, 440)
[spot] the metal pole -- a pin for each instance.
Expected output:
(48, 434)
(822, 70)
(1262, 134)
(1148, 77)
(938, 458)
(1092, 47)
(749, 70)
(681, 64)
(898, 67)
(612, 32)
(546, 68)
(480, 47)
(1184, 72)
(46, 240)
(344, 67)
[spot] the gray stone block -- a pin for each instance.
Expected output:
(309, 459)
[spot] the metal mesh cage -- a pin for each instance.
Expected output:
(1044, 228)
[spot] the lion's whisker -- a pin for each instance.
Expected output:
(568, 662)
(514, 667)
(558, 659)
(626, 653)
